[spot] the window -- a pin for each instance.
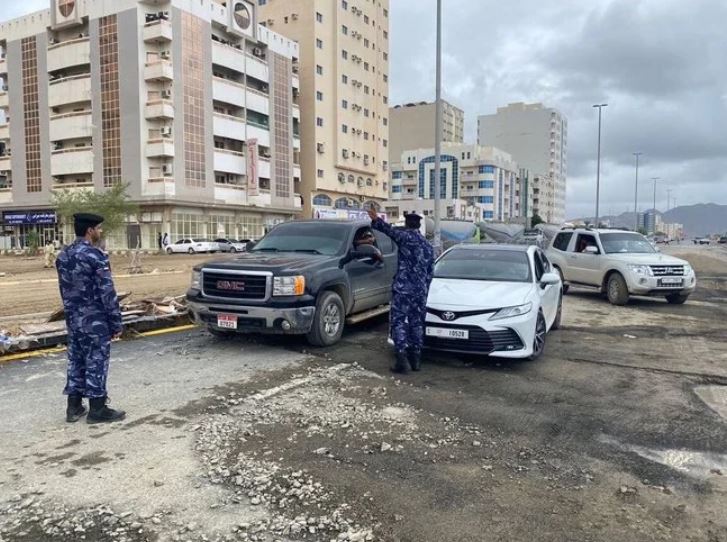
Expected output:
(384, 241)
(344, 79)
(396, 174)
(386, 35)
(489, 214)
(584, 241)
(539, 268)
(366, 136)
(319, 69)
(386, 143)
(319, 17)
(386, 56)
(322, 199)
(386, 121)
(366, 19)
(366, 112)
(344, 54)
(486, 199)
(386, 11)
(344, 104)
(487, 169)
(366, 89)
(344, 30)
(262, 2)
(344, 128)
(561, 240)
(344, 4)
(487, 184)
(319, 43)
(366, 66)
(395, 189)
(319, 121)
(386, 78)
(320, 173)
(319, 95)
(386, 100)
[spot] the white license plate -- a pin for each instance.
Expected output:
(448, 333)
(227, 321)
(671, 281)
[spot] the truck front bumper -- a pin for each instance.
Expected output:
(254, 319)
(653, 286)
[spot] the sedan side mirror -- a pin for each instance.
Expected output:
(549, 279)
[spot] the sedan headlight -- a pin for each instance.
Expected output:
(510, 312)
(195, 279)
(294, 285)
(641, 270)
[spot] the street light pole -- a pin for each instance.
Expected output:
(654, 209)
(668, 197)
(636, 192)
(438, 135)
(598, 162)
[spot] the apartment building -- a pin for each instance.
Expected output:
(412, 126)
(476, 183)
(537, 138)
(189, 102)
(344, 77)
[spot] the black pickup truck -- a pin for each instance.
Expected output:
(303, 277)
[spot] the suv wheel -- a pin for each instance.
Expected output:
(539, 340)
(328, 321)
(677, 299)
(616, 290)
(566, 286)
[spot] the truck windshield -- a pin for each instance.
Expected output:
(625, 243)
(324, 238)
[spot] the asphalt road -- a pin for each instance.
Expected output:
(617, 433)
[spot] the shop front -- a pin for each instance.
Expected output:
(23, 228)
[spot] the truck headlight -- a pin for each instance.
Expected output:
(641, 270)
(294, 285)
(509, 312)
(195, 279)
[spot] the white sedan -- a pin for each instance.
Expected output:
(497, 300)
(192, 246)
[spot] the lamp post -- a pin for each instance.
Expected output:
(438, 134)
(654, 208)
(636, 192)
(598, 162)
(668, 197)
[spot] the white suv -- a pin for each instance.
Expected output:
(620, 263)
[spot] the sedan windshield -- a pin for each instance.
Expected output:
(324, 238)
(494, 265)
(624, 243)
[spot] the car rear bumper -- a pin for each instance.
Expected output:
(252, 319)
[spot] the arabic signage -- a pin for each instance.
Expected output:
(18, 218)
(342, 214)
(253, 185)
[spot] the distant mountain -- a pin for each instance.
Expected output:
(700, 219)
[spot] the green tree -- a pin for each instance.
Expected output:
(536, 220)
(643, 231)
(33, 240)
(113, 205)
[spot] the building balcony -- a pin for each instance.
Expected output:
(161, 70)
(68, 54)
(71, 126)
(263, 168)
(4, 163)
(229, 161)
(158, 31)
(297, 201)
(69, 90)
(296, 112)
(229, 92)
(259, 132)
(229, 126)
(71, 161)
(6, 195)
(258, 68)
(231, 193)
(163, 147)
(296, 81)
(4, 100)
(159, 109)
(159, 186)
(258, 101)
(228, 57)
(3, 66)
(73, 187)
(4, 131)
(261, 200)
(296, 171)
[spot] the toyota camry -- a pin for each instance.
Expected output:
(497, 300)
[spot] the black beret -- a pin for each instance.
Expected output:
(87, 220)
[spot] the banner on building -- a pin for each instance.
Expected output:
(18, 218)
(253, 182)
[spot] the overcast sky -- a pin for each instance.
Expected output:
(659, 64)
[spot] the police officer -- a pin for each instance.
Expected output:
(410, 289)
(93, 318)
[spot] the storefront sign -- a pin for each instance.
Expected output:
(253, 185)
(342, 214)
(18, 218)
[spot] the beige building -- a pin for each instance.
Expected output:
(537, 138)
(344, 73)
(189, 102)
(412, 126)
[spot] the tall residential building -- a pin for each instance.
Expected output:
(537, 137)
(344, 76)
(412, 126)
(476, 183)
(189, 102)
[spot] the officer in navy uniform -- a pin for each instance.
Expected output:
(93, 318)
(410, 289)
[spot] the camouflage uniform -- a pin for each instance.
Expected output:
(92, 314)
(411, 286)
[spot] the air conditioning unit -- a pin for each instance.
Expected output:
(294, 16)
(56, 146)
(167, 169)
(296, 68)
(167, 93)
(166, 131)
(165, 54)
(257, 51)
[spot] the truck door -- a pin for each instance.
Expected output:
(368, 281)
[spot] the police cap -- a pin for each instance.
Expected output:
(412, 220)
(83, 221)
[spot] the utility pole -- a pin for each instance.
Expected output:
(636, 192)
(668, 197)
(438, 136)
(654, 209)
(598, 161)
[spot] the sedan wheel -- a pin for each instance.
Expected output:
(539, 341)
(190, 251)
(233, 249)
(169, 250)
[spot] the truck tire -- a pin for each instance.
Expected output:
(328, 321)
(677, 299)
(616, 290)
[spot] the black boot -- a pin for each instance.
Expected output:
(402, 364)
(415, 360)
(100, 413)
(75, 409)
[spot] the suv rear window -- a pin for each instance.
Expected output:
(561, 240)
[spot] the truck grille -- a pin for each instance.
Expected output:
(479, 342)
(234, 285)
(667, 270)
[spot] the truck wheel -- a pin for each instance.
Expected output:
(616, 290)
(566, 286)
(677, 299)
(328, 322)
